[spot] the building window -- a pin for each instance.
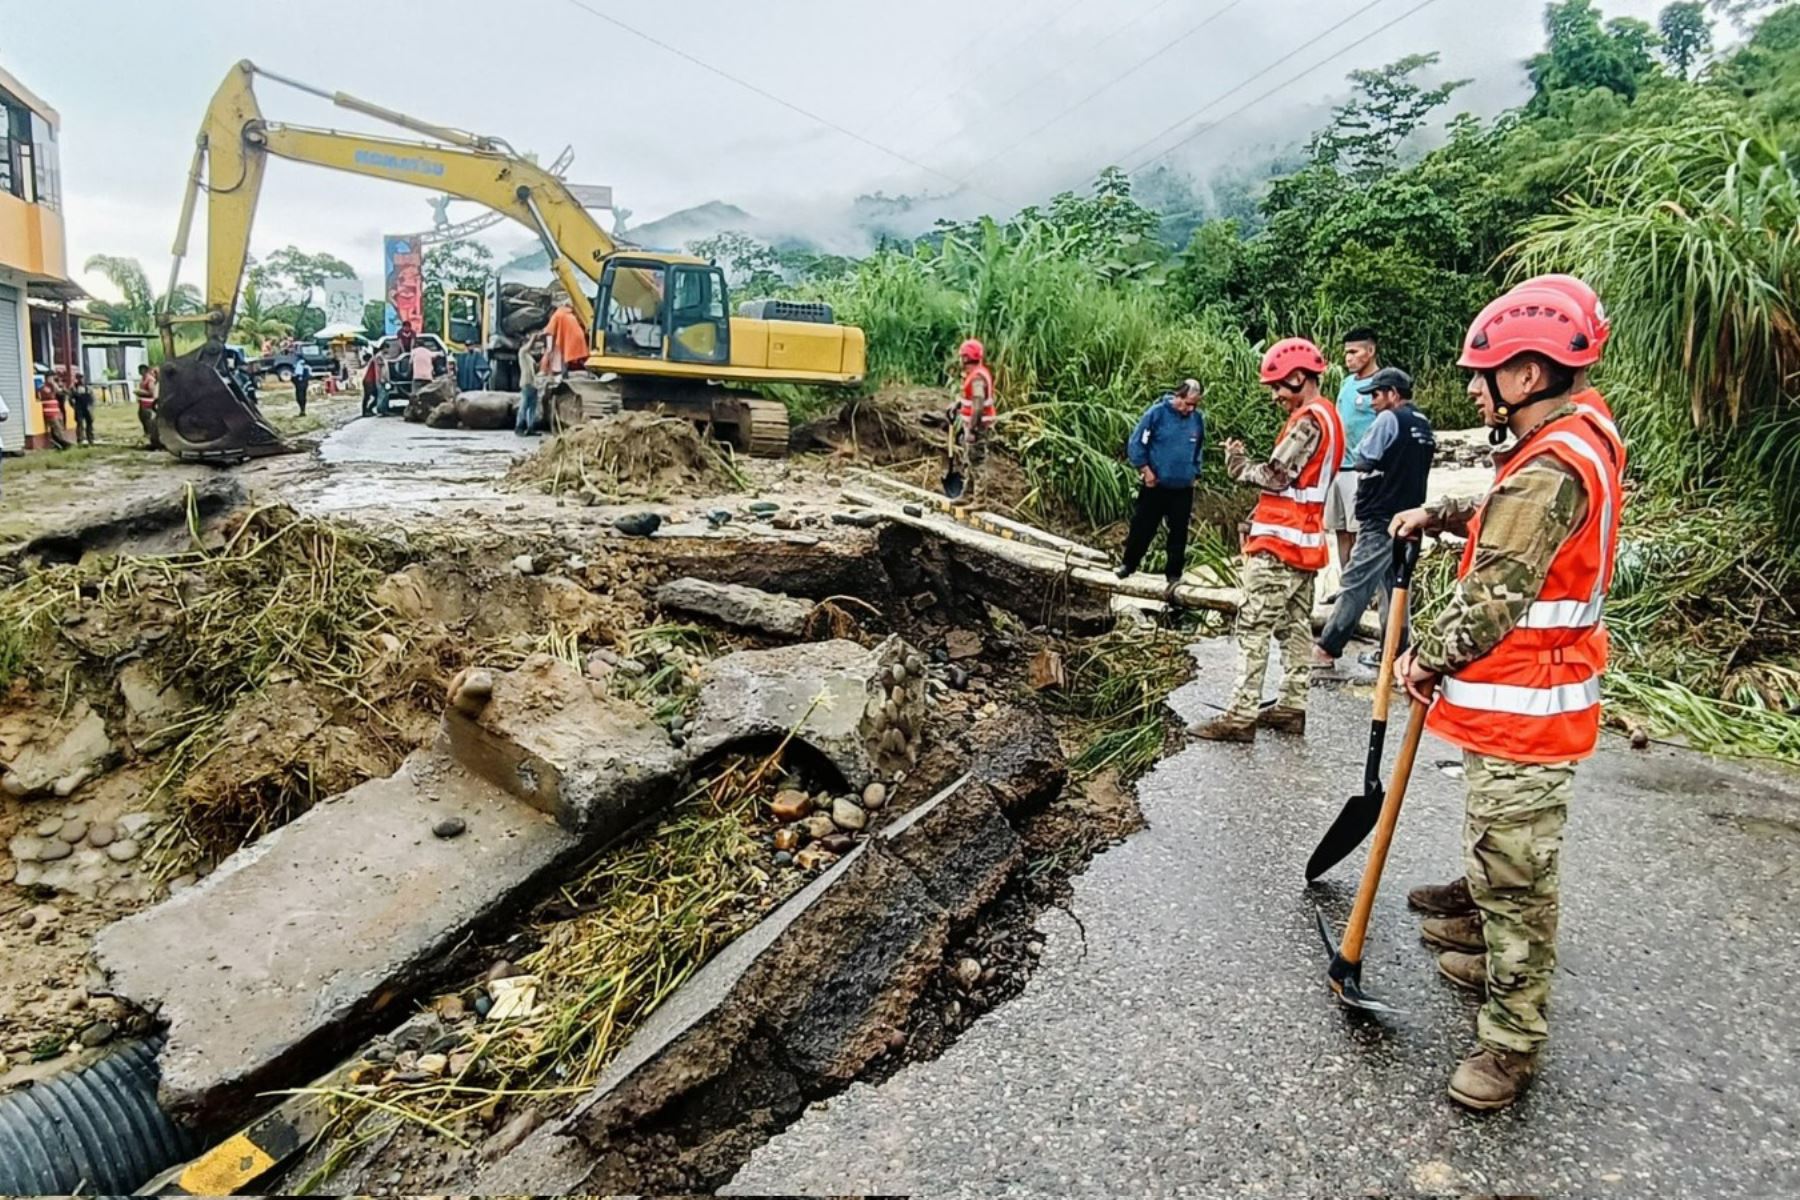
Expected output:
(30, 164)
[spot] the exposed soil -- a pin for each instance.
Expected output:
(632, 454)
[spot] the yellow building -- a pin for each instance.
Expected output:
(33, 255)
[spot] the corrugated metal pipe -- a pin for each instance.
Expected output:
(96, 1130)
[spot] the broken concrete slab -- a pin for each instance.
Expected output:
(297, 943)
(153, 711)
(735, 604)
(960, 845)
(63, 759)
(862, 709)
(1018, 758)
(556, 740)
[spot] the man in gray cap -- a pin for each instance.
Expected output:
(1394, 461)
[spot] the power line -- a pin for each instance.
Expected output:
(771, 96)
(1260, 97)
(1110, 83)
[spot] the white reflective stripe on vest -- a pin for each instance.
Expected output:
(1522, 701)
(1601, 420)
(1563, 614)
(1311, 541)
(1311, 495)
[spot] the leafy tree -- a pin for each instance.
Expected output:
(462, 266)
(1686, 35)
(257, 323)
(749, 264)
(1742, 13)
(375, 319)
(1389, 105)
(301, 274)
(135, 311)
(1583, 54)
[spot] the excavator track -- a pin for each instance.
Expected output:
(763, 432)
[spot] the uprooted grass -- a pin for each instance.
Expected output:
(281, 600)
(631, 455)
(1117, 685)
(611, 947)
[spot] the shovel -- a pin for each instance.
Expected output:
(954, 484)
(1345, 972)
(1359, 813)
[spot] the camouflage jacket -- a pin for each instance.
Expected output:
(1291, 454)
(1529, 516)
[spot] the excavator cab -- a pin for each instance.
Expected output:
(652, 308)
(463, 324)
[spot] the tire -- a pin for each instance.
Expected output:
(285, 374)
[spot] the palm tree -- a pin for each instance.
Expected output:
(135, 311)
(256, 326)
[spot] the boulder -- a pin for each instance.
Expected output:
(859, 708)
(428, 399)
(735, 604)
(554, 738)
(486, 410)
(64, 758)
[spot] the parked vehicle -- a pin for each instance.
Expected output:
(318, 356)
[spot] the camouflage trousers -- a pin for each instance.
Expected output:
(1278, 601)
(1512, 838)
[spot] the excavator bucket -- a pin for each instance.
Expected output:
(203, 413)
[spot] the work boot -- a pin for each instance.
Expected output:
(1225, 728)
(1464, 970)
(1491, 1078)
(1284, 720)
(1125, 571)
(1454, 933)
(1442, 899)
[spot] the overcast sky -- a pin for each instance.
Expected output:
(1006, 99)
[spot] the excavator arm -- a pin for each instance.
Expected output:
(203, 412)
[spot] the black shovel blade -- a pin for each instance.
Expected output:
(1346, 977)
(953, 485)
(1355, 821)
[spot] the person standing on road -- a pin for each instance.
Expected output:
(146, 404)
(1286, 546)
(1394, 462)
(371, 384)
(1165, 450)
(527, 424)
(81, 400)
(1515, 660)
(302, 381)
(1357, 412)
(974, 416)
(423, 362)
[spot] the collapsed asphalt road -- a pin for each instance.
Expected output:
(1179, 1035)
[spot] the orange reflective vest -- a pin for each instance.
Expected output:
(966, 410)
(1592, 405)
(1535, 697)
(52, 406)
(1290, 524)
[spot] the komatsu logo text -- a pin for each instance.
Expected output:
(395, 162)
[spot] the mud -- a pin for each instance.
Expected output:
(630, 454)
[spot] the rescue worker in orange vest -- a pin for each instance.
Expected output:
(973, 418)
(50, 401)
(1285, 548)
(146, 404)
(1515, 660)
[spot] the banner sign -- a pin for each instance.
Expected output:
(405, 282)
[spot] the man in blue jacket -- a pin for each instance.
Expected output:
(1165, 450)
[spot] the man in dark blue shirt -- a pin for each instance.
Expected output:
(1165, 451)
(1393, 462)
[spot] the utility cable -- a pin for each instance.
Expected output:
(678, 52)
(1261, 96)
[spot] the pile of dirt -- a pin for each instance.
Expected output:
(894, 426)
(635, 455)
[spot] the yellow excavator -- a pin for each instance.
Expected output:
(661, 327)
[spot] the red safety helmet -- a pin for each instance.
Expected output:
(1527, 320)
(1584, 298)
(973, 351)
(1290, 355)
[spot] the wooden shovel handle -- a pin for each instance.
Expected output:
(1352, 947)
(1406, 556)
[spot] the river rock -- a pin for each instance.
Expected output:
(813, 857)
(874, 796)
(846, 814)
(790, 805)
(783, 858)
(122, 851)
(97, 1034)
(134, 824)
(101, 834)
(449, 827)
(482, 410)
(524, 565)
(818, 826)
(962, 643)
(53, 849)
(735, 604)
(787, 839)
(153, 711)
(73, 831)
(49, 827)
(968, 973)
(838, 843)
(429, 397)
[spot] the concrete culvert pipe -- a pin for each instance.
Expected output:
(96, 1130)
